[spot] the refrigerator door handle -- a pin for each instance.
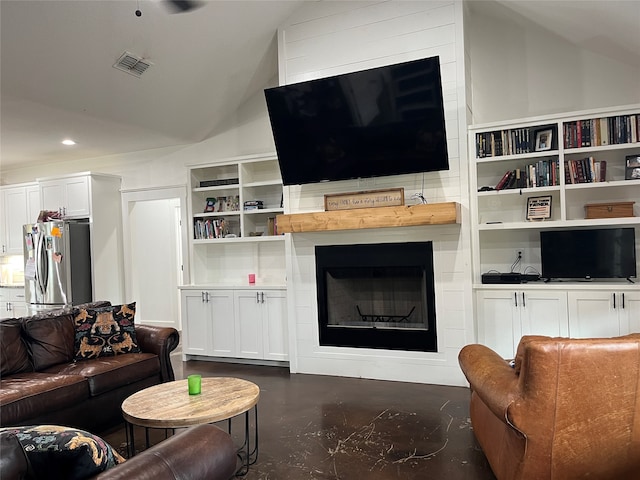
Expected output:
(42, 273)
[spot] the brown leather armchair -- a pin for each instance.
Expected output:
(567, 409)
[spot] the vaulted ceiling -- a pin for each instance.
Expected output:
(57, 79)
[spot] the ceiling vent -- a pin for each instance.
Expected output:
(132, 64)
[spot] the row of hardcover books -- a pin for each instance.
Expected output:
(543, 173)
(206, 229)
(504, 142)
(602, 131)
(585, 170)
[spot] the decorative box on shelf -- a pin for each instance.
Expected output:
(609, 210)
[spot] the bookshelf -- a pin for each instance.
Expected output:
(233, 208)
(576, 159)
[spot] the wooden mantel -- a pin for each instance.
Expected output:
(379, 217)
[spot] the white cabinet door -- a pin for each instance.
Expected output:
(504, 316)
(274, 323)
(52, 195)
(71, 196)
(196, 327)
(261, 324)
(629, 313)
(33, 203)
(222, 322)
(498, 320)
(78, 202)
(592, 314)
(249, 312)
(544, 313)
(14, 217)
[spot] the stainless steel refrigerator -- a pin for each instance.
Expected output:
(57, 270)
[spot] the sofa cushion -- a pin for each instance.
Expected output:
(28, 395)
(56, 452)
(104, 332)
(14, 357)
(49, 337)
(108, 373)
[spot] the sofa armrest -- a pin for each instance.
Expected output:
(161, 341)
(203, 451)
(490, 377)
(13, 460)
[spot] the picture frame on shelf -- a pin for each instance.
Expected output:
(544, 139)
(632, 167)
(539, 208)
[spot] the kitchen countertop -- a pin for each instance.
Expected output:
(7, 285)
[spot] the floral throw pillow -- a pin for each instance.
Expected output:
(62, 453)
(105, 332)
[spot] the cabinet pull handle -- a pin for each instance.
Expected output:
(257, 297)
(207, 296)
(515, 296)
(262, 296)
(623, 300)
(523, 302)
(202, 295)
(614, 300)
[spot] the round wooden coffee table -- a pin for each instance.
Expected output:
(169, 406)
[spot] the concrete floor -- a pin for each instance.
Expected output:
(318, 427)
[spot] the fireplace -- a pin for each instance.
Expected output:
(377, 296)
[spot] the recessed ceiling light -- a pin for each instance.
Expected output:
(68, 142)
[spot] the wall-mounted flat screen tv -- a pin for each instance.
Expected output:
(588, 254)
(377, 122)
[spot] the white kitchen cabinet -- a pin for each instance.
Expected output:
(603, 313)
(261, 324)
(12, 303)
(20, 205)
(70, 196)
(208, 322)
(505, 315)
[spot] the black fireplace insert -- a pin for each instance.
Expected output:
(377, 296)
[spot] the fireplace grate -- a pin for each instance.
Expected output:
(384, 318)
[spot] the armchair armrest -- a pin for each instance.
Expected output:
(161, 341)
(490, 377)
(203, 451)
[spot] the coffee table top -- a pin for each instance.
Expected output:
(169, 405)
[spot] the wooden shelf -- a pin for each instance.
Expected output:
(380, 217)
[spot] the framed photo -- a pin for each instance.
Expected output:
(539, 208)
(543, 140)
(632, 167)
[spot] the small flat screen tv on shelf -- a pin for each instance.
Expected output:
(588, 254)
(376, 122)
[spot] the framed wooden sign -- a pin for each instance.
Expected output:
(392, 197)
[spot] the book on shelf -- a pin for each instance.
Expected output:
(585, 170)
(211, 228)
(602, 131)
(504, 180)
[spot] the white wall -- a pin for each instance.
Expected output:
(519, 69)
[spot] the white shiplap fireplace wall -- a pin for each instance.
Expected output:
(330, 38)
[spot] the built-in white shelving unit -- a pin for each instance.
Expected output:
(567, 153)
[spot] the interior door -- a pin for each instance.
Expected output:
(154, 265)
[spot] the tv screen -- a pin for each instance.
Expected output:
(377, 122)
(588, 254)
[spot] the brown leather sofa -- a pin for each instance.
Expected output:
(201, 452)
(40, 383)
(567, 408)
